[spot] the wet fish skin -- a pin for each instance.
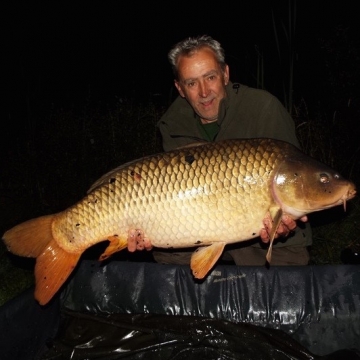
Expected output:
(212, 194)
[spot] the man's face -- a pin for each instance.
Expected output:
(202, 82)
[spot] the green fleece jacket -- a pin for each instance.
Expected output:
(244, 113)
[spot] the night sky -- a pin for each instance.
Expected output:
(60, 52)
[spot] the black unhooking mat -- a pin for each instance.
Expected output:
(126, 310)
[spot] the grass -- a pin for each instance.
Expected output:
(16, 275)
(334, 231)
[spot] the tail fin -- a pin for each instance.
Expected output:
(52, 269)
(34, 238)
(29, 238)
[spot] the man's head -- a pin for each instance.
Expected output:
(201, 74)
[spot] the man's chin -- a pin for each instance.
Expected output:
(209, 120)
(206, 117)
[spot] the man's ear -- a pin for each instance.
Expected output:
(226, 74)
(179, 89)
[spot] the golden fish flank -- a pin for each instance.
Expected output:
(209, 195)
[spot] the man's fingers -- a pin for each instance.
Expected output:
(132, 243)
(147, 244)
(282, 229)
(264, 236)
(138, 241)
(288, 224)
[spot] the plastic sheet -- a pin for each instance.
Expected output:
(26, 327)
(318, 305)
(150, 311)
(164, 337)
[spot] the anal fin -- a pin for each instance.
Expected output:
(204, 258)
(52, 269)
(117, 243)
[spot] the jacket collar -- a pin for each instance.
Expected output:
(232, 90)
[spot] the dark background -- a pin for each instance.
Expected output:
(84, 83)
(80, 80)
(59, 52)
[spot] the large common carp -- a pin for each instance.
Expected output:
(203, 196)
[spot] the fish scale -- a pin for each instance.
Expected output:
(181, 197)
(203, 196)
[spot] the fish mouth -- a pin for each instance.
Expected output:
(351, 192)
(348, 194)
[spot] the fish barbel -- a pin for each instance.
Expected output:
(203, 196)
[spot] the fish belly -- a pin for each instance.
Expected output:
(203, 220)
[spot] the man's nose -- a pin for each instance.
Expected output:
(203, 89)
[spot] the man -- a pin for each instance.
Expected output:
(211, 108)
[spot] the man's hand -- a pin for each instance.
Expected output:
(286, 226)
(138, 241)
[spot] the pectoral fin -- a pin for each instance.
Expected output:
(204, 258)
(117, 243)
(275, 225)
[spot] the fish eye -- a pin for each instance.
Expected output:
(324, 178)
(337, 176)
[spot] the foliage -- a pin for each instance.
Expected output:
(16, 275)
(63, 154)
(288, 54)
(335, 232)
(329, 132)
(71, 147)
